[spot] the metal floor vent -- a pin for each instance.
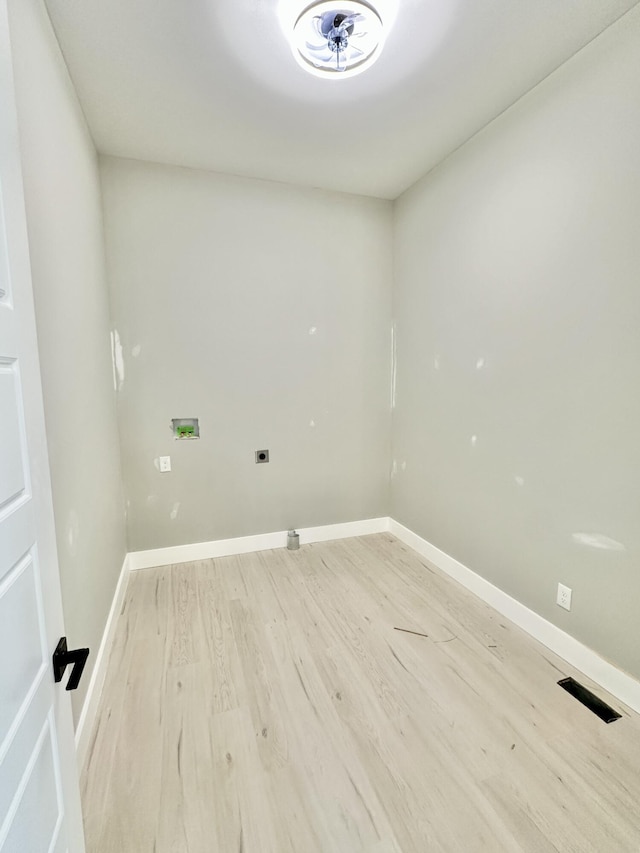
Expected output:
(590, 700)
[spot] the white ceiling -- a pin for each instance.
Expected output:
(213, 84)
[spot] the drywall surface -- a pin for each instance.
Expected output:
(264, 311)
(517, 408)
(62, 192)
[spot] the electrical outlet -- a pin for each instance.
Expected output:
(564, 597)
(165, 464)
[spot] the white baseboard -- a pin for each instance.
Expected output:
(84, 729)
(615, 681)
(249, 544)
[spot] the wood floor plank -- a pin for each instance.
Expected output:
(132, 756)
(330, 762)
(223, 672)
(266, 703)
(105, 734)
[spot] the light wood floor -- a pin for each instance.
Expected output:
(265, 704)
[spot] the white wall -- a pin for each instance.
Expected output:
(517, 302)
(264, 311)
(62, 194)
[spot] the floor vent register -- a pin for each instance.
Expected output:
(590, 700)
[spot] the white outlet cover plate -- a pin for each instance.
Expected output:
(564, 596)
(165, 464)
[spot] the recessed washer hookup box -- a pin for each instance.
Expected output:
(185, 428)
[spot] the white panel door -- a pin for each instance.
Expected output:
(39, 799)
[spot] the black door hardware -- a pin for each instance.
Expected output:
(62, 658)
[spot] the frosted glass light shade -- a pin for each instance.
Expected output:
(337, 41)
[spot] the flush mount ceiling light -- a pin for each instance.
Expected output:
(337, 41)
